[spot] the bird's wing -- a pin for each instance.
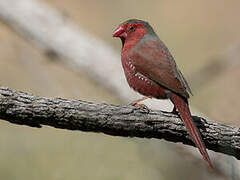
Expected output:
(152, 59)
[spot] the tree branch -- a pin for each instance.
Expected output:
(128, 121)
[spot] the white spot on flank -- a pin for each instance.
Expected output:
(141, 77)
(130, 65)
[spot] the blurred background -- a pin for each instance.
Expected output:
(204, 38)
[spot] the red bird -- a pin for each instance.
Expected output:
(151, 70)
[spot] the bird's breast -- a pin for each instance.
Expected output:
(141, 83)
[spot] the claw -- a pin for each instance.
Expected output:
(142, 106)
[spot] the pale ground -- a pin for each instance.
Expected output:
(195, 32)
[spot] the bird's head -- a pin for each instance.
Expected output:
(132, 29)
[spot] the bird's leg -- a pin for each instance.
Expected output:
(142, 106)
(134, 103)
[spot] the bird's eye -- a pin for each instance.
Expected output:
(131, 28)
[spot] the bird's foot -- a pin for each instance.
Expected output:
(141, 106)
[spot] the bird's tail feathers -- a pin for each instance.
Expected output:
(183, 108)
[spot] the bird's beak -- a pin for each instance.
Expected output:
(120, 32)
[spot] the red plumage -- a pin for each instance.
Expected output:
(151, 70)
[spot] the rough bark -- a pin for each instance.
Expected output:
(128, 121)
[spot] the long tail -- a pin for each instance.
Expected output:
(183, 108)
